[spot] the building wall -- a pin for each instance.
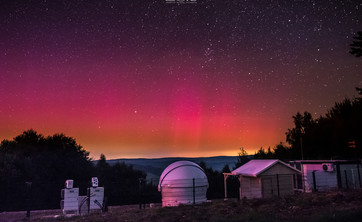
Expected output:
(174, 196)
(286, 185)
(277, 185)
(282, 185)
(349, 176)
(268, 184)
(278, 169)
(346, 174)
(250, 187)
(324, 180)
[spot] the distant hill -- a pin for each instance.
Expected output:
(154, 167)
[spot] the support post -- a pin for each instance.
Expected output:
(278, 185)
(225, 186)
(27, 201)
(240, 190)
(105, 205)
(193, 189)
(88, 199)
(314, 181)
(359, 176)
(301, 146)
(345, 175)
(339, 176)
(141, 184)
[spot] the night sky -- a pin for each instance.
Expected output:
(131, 78)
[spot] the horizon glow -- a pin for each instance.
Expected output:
(147, 79)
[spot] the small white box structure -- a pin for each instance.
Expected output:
(94, 181)
(69, 202)
(96, 198)
(69, 184)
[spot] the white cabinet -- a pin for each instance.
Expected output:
(69, 202)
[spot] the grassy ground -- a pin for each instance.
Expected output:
(331, 206)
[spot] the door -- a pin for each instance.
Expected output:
(267, 187)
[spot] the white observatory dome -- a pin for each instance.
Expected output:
(183, 182)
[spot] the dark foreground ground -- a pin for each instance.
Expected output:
(332, 206)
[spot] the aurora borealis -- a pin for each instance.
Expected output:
(144, 78)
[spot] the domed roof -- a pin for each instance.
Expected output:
(182, 170)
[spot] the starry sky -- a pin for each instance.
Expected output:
(147, 78)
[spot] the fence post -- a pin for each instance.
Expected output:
(193, 189)
(278, 185)
(141, 184)
(314, 181)
(339, 176)
(27, 201)
(359, 176)
(88, 199)
(105, 205)
(345, 175)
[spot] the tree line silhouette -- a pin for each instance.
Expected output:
(336, 135)
(47, 162)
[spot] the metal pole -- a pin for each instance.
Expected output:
(339, 176)
(301, 147)
(140, 192)
(88, 198)
(225, 187)
(314, 181)
(27, 201)
(193, 189)
(359, 176)
(278, 185)
(240, 188)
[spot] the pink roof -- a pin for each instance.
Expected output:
(255, 167)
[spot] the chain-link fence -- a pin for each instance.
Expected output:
(183, 191)
(16, 196)
(34, 195)
(336, 177)
(29, 195)
(322, 181)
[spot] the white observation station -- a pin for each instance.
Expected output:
(183, 182)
